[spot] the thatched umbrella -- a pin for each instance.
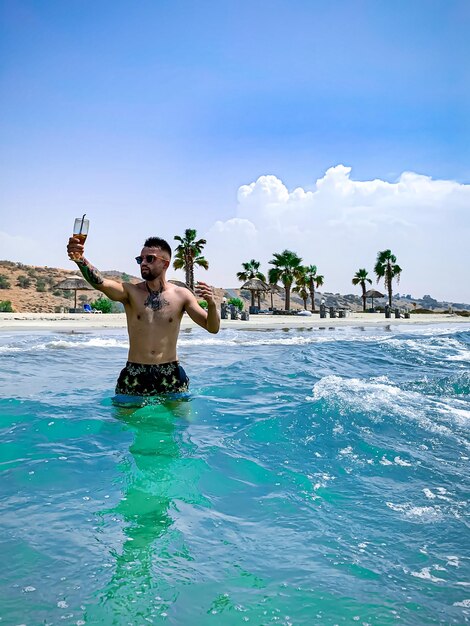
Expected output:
(254, 285)
(74, 283)
(373, 293)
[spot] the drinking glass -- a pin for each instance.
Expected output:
(80, 231)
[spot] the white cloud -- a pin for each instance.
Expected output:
(341, 224)
(336, 222)
(227, 244)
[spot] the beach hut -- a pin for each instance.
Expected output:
(255, 286)
(74, 283)
(373, 293)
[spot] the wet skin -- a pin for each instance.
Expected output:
(154, 308)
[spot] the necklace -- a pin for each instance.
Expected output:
(155, 300)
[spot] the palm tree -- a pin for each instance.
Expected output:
(286, 269)
(386, 267)
(314, 280)
(272, 290)
(188, 254)
(361, 278)
(301, 285)
(250, 271)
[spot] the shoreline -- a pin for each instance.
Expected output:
(110, 321)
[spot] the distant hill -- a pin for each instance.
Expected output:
(349, 301)
(32, 289)
(122, 276)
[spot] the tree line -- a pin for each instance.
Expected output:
(287, 269)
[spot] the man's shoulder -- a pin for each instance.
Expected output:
(135, 287)
(179, 284)
(134, 290)
(179, 289)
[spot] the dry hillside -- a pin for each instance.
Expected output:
(32, 289)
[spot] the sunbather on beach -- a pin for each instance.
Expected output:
(154, 309)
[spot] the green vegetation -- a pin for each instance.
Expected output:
(23, 281)
(301, 285)
(251, 271)
(287, 268)
(4, 282)
(305, 283)
(313, 280)
(237, 302)
(105, 305)
(117, 307)
(188, 254)
(361, 278)
(5, 306)
(102, 304)
(49, 281)
(302, 291)
(386, 267)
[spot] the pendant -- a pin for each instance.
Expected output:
(155, 300)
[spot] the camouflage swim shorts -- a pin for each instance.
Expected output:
(138, 379)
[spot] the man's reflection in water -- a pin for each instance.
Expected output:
(160, 472)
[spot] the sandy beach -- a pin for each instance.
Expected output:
(68, 322)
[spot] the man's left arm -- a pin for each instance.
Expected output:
(209, 319)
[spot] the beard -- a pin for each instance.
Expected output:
(147, 273)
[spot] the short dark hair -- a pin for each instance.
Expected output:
(157, 242)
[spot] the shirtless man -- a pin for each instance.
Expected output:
(154, 309)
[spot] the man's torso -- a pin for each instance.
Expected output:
(153, 323)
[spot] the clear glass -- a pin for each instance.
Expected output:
(80, 230)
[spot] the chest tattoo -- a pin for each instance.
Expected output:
(155, 300)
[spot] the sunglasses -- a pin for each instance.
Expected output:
(149, 258)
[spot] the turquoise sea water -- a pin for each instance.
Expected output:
(315, 476)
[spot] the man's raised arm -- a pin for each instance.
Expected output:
(209, 319)
(111, 288)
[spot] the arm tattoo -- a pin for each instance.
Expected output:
(90, 273)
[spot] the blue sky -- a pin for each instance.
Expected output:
(150, 116)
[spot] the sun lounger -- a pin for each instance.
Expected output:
(88, 309)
